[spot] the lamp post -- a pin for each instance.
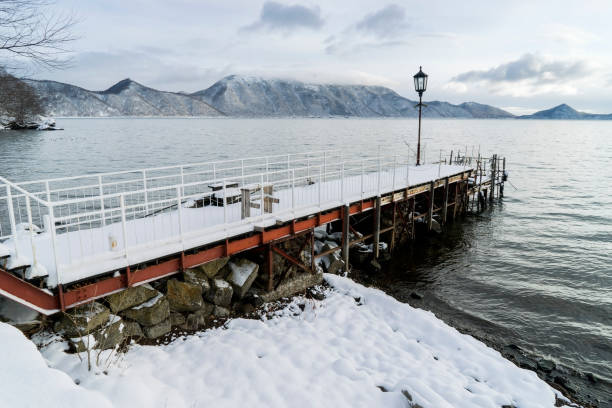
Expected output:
(420, 84)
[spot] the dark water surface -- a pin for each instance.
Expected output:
(535, 271)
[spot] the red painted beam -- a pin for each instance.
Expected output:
(23, 290)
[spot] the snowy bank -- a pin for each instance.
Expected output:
(356, 348)
(26, 381)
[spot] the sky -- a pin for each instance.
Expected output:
(518, 55)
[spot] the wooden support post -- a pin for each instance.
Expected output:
(411, 217)
(377, 228)
(492, 189)
(393, 230)
(432, 187)
(456, 200)
(345, 235)
(501, 186)
(312, 252)
(245, 203)
(445, 205)
(270, 267)
(268, 198)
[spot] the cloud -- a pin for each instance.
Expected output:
(276, 16)
(569, 36)
(384, 28)
(388, 22)
(529, 75)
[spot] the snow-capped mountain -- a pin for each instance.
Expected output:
(565, 111)
(253, 96)
(126, 98)
(247, 97)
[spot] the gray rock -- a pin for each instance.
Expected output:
(177, 319)
(197, 276)
(130, 297)
(183, 296)
(110, 335)
(158, 330)
(132, 329)
(220, 293)
(82, 320)
(292, 286)
(198, 318)
(336, 266)
(149, 313)
(212, 268)
(242, 274)
(220, 311)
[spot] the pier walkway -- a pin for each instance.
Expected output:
(66, 241)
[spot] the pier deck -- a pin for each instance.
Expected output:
(82, 238)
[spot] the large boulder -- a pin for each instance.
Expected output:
(150, 313)
(212, 268)
(220, 293)
(292, 286)
(183, 296)
(198, 318)
(158, 330)
(132, 329)
(198, 277)
(111, 334)
(82, 320)
(242, 274)
(130, 297)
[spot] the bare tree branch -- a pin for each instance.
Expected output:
(27, 31)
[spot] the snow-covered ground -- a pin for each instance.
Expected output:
(357, 348)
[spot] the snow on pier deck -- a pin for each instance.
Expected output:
(71, 229)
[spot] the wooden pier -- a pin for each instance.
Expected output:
(65, 242)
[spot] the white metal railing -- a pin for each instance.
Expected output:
(93, 223)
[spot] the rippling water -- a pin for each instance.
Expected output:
(535, 270)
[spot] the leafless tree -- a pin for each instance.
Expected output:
(18, 100)
(28, 31)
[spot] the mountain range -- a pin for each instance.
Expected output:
(246, 96)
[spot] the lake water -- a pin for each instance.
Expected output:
(534, 271)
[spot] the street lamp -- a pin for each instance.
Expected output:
(420, 84)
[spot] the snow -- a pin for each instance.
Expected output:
(26, 381)
(339, 352)
(149, 303)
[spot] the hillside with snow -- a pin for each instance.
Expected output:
(244, 96)
(126, 98)
(356, 348)
(255, 97)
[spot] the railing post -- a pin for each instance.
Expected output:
(362, 175)
(394, 164)
(261, 203)
(54, 244)
(325, 166)
(342, 184)
(224, 202)
(29, 212)
(179, 207)
(293, 189)
(102, 212)
(48, 190)
(320, 184)
(379, 171)
(183, 180)
(9, 199)
(123, 225)
(267, 169)
(214, 173)
(242, 174)
(146, 198)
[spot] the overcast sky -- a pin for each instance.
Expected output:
(518, 55)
